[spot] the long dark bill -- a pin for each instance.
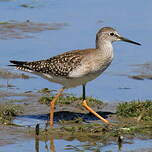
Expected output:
(129, 41)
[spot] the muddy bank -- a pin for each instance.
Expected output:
(143, 71)
(26, 29)
(74, 123)
(5, 74)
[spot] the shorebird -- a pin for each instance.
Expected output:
(76, 67)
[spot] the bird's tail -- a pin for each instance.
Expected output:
(17, 63)
(21, 65)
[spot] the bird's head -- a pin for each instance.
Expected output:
(111, 35)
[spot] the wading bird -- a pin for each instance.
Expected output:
(76, 67)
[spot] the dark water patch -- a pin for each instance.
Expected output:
(66, 115)
(124, 88)
(27, 6)
(26, 29)
(60, 117)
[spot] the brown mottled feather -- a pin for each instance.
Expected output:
(60, 65)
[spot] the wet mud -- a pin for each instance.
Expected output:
(5, 74)
(144, 71)
(25, 29)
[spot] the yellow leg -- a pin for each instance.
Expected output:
(84, 103)
(52, 103)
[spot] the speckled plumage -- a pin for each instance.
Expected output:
(60, 65)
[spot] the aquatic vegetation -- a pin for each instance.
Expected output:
(8, 111)
(70, 99)
(80, 131)
(139, 109)
(94, 131)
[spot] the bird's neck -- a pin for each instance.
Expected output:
(105, 48)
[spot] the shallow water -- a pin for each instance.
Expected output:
(83, 18)
(61, 145)
(130, 21)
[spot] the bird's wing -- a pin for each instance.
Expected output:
(60, 65)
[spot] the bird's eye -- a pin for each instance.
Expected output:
(112, 34)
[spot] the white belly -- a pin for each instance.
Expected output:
(72, 82)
